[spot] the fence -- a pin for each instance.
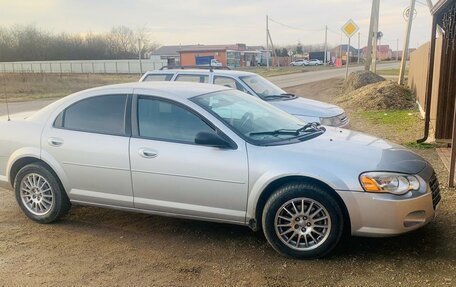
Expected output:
(417, 76)
(84, 66)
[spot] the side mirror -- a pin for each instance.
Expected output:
(211, 139)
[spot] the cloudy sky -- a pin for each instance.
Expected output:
(220, 21)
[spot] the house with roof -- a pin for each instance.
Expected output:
(384, 52)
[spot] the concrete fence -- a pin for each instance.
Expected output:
(84, 66)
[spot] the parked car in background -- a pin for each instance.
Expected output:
(299, 63)
(314, 62)
(255, 85)
(208, 152)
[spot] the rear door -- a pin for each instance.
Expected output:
(89, 139)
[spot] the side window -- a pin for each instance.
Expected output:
(163, 120)
(99, 114)
(158, 77)
(193, 78)
(229, 82)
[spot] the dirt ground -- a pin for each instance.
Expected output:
(100, 247)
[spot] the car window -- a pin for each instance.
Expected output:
(163, 120)
(193, 78)
(229, 82)
(100, 114)
(158, 77)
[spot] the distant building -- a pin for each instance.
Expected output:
(383, 52)
(341, 52)
(169, 53)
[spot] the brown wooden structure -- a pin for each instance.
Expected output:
(444, 15)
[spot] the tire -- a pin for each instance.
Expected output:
(300, 228)
(40, 194)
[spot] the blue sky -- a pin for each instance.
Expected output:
(220, 21)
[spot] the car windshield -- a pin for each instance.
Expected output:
(262, 87)
(253, 119)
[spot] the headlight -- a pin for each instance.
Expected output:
(332, 121)
(388, 182)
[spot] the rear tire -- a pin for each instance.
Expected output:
(303, 220)
(40, 194)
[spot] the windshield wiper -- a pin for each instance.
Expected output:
(277, 132)
(310, 127)
(281, 96)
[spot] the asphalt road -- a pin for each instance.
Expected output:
(291, 80)
(284, 81)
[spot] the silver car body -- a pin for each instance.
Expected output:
(306, 109)
(208, 183)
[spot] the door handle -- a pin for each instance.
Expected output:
(55, 142)
(147, 153)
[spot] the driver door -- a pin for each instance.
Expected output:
(171, 174)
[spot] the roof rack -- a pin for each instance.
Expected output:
(210, 68)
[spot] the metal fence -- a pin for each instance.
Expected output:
(83, 66)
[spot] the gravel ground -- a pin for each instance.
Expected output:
(100, 247)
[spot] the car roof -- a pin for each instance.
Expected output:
(233, 73)
(171, 90)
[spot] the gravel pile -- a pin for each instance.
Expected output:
(360, 79)
(384, 95)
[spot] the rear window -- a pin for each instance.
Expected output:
(100, 114)
(158, 77)
(193, 78)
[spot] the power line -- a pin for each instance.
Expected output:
(294, 27)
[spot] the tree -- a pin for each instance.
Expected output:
(299, 50)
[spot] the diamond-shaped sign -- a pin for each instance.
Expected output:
(350, 28)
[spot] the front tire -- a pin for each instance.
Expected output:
(303, 220)
(39, 194)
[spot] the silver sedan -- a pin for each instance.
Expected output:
(208, 152)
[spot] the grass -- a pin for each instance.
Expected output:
(397, 118)
(391, 72)
(415, 145)
(27, 87)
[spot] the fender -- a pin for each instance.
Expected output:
(19, 154)
(259, 186)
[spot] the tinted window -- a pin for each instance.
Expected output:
(163, 120)
(102, 114)
(158, 77)
(193, 78)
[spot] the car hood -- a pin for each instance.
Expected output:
(368, 152)
(306, 107)
(336, 157)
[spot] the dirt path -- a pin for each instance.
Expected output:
(98, 247)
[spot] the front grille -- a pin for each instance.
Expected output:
(343, 119)
(435, 189)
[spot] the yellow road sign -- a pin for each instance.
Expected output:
(350, 28)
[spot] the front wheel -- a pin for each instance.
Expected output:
(302, 220)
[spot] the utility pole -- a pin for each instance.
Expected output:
(374, 61)
(267, 41)
(370, 37)
(139, 56)
(406, 42)
(326, 45)
(359, 40)
(273, 50)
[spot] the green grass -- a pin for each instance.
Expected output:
(392, 118)
(390, 72)
(415, 145)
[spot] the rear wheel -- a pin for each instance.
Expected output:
(39, 194)
(303, 220)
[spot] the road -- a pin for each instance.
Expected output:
(22, 109)
(291, 80)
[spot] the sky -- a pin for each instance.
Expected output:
(173, 22)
